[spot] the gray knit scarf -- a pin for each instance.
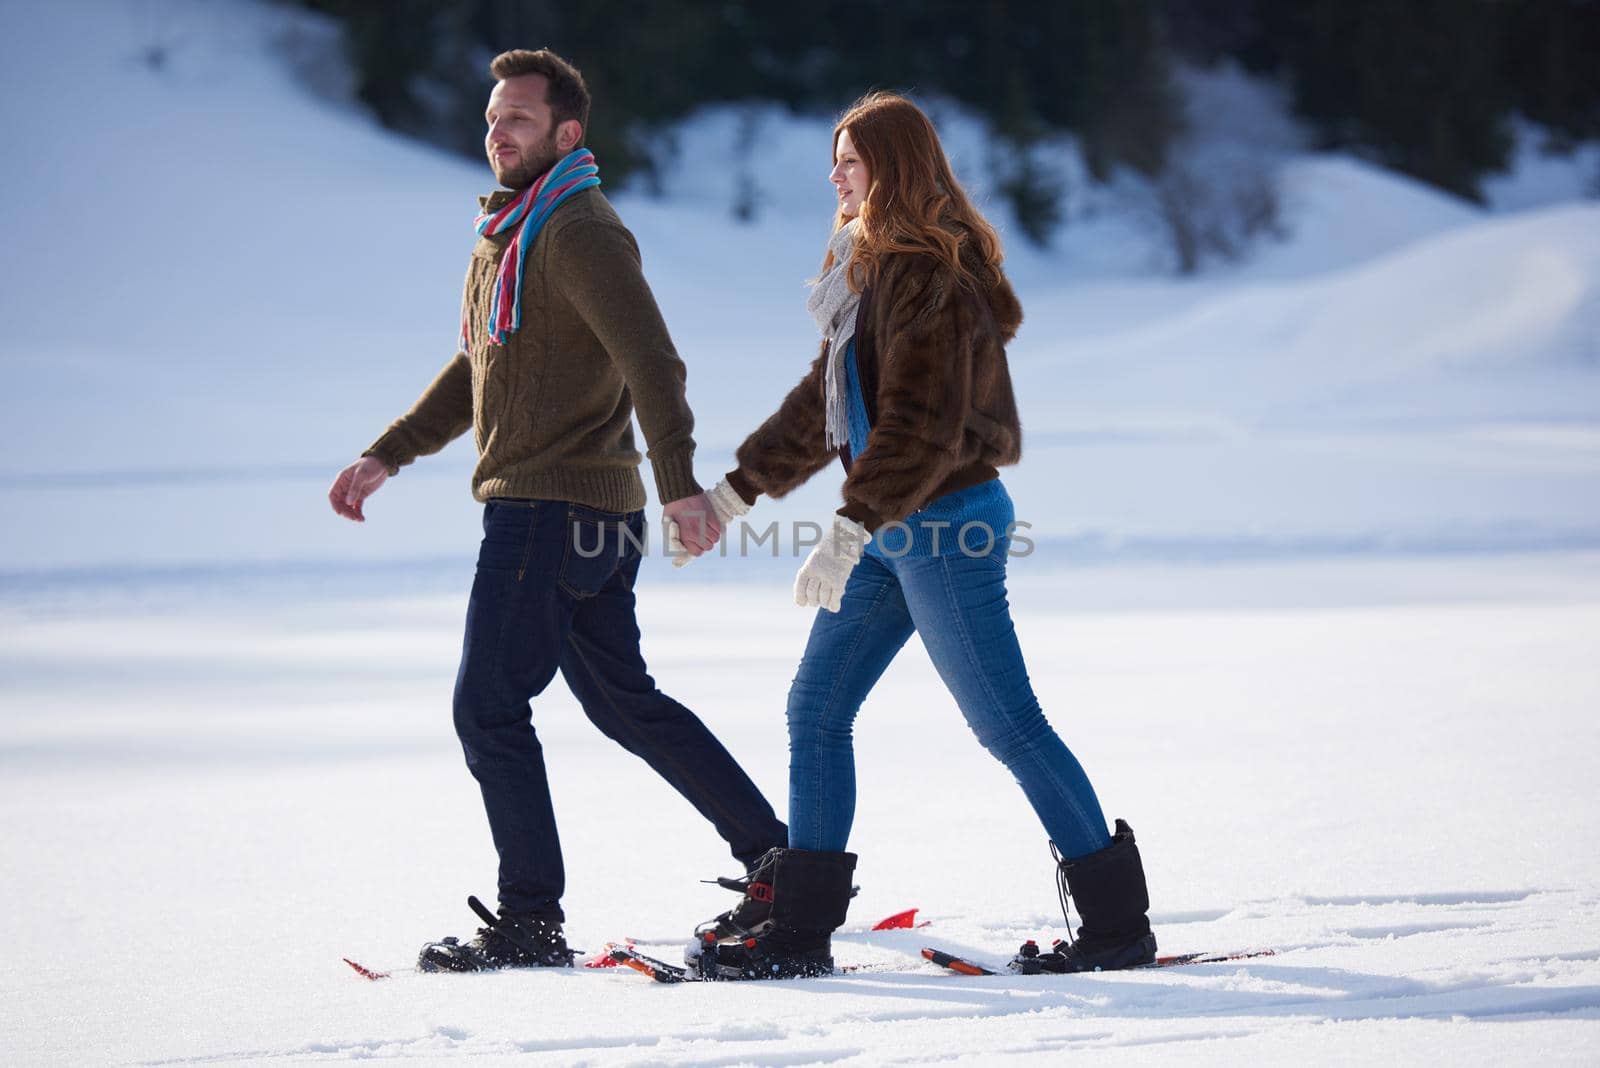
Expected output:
(833, 305)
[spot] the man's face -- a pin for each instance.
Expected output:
(523, 140)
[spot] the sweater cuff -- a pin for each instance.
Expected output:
(742, 485)
(675, 476)
(383, 450)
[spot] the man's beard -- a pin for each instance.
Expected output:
(533, 164)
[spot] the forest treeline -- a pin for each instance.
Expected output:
(1429, 88)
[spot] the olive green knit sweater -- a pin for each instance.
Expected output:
(552, 410)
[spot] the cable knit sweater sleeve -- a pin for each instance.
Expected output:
(442, 414)
(598, 270)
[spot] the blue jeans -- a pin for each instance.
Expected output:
(554, 591)
(957, 603)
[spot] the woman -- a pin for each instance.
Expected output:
(912, 392)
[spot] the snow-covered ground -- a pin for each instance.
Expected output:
(1315, 598)
(1384, 771)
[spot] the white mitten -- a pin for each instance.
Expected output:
(726, 502)
(822, 578)
(675, 548)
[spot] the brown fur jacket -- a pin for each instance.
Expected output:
(930, 353)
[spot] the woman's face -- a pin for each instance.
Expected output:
(849, 176)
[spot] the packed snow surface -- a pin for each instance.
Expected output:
(209, 801)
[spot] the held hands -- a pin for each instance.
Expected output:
(355, 484)
(691, 526)
(721, 504)
(822, 578)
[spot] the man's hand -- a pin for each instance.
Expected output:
(691, 527)
(355, 484)
(726, 506)
(822, 578)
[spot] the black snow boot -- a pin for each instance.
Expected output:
(1109, 890)
(508, 941)
(810, 894)
(749, 918)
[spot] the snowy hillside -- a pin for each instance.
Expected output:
(1316, 601)
(221, 287)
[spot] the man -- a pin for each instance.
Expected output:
(561, 338)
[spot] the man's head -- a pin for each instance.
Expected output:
(538, 112)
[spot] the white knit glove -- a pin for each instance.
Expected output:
(726, 504)
(675, 549)
(821, 581)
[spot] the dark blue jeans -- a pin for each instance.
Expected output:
(554, 592)
(957, 603)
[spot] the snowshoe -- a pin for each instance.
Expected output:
(809, 898)
(1109, 889)
(506, 941)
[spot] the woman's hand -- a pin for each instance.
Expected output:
(727, 503)
(822, 578)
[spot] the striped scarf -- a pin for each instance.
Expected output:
(528, 212)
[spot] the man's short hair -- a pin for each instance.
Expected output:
(566, 92)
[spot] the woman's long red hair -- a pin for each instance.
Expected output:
(913, 202)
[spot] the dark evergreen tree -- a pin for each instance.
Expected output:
(1085, 66)
(1550, 60)
(1423, 86)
